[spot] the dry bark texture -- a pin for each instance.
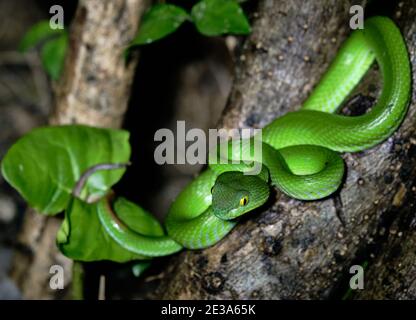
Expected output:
(94, 90)
(392, 274)
(297, 249)
(96, 87)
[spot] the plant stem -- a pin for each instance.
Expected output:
(77, 281)
(90, 171)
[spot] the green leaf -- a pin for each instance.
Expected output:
(37, 33)
(138, 219)
(217, 17)
(53, 55)
(158, 22)
(44, 165)
(82, 237)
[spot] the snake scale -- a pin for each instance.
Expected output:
(300, 151)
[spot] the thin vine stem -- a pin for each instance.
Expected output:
(76, 192)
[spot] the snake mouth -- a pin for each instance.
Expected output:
(226, 214)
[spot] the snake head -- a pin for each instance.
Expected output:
(235, 194)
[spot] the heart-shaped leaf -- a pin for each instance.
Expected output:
(82, 237)
(217, 17)
(158, 22)
(45, 165)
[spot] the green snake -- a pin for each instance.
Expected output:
(300, 150)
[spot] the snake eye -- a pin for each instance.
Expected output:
(243, 201)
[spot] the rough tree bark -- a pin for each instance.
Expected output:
(392, 274)
(94, 90)
(294, 249)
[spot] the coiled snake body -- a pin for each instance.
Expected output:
(299, 150)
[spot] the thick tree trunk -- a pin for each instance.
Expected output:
(392, 273)
(298, 249)
(94, 90)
